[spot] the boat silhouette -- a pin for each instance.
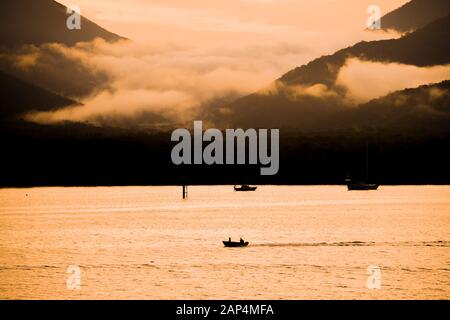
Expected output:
(355, 186)
(244, 187)
(234, 244)
(362, 185)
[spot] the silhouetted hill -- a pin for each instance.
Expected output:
(30, 28)
(425, 47)
(424, 108)
(415, 14)
(277, 107)
(19, 97)
(43, 21)
(54, 70)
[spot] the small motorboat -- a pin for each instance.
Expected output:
(245, 187)
(234, 244)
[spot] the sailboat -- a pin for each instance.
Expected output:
(360, 185)
(244, 187)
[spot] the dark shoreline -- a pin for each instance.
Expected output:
(204, 184)
(44, 157)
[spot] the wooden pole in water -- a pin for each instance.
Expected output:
(184, 191)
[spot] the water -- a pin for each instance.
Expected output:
(147, 243)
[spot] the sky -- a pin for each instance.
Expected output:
(321, 26)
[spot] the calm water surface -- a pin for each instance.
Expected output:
(147, 243)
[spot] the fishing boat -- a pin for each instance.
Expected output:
(234, 244)
(244, 187)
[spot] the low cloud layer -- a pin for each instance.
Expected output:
(367, 80)
(297, 92)
(154, 85)
(168, 80)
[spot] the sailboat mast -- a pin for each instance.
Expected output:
(367, 161)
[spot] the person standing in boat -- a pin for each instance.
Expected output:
(241, 241)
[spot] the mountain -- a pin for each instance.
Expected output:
(43, 21)
(425, 108)
(19, 97)
(29, 28)
(427, 46)
(53, 70)
(308, 97)
(415, 14)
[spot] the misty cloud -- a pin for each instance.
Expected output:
(367, 80)
(171, 80)
(55, 68)
(297, 92)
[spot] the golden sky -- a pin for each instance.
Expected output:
(225, 20)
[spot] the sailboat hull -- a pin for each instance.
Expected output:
(245, 189)
(362, 186)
